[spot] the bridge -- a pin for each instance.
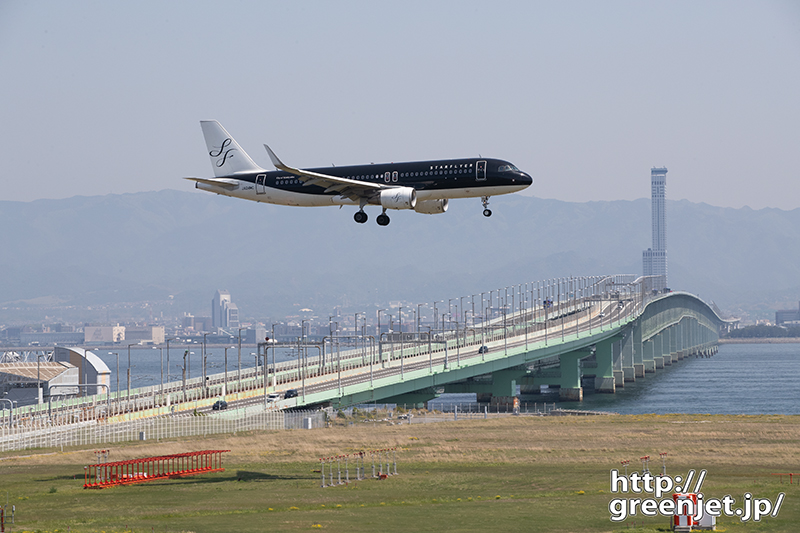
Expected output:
(568, 334)
(611, 332)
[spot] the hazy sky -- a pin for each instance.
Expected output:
(105, 97)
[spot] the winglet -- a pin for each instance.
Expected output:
(275, 160)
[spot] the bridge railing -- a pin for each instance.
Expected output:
(528, 309)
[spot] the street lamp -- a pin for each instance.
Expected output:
(117, 354)
(379, 321)
(400, 318)
(239, 371)
(167, 341)
(205, 355)
(436, 315)
(162, 369)
(38, 379)
(129, 368)
(225, 388)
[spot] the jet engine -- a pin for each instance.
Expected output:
(399, 198)
(431, 207)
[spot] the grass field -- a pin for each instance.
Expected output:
(506, 474)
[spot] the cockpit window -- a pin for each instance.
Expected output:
(508, 168)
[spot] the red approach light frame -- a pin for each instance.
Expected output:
(99, 476)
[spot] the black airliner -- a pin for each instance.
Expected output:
(424, 186)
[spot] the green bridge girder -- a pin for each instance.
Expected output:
(669, 327)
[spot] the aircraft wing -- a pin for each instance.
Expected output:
(353, 189)
(224, 183)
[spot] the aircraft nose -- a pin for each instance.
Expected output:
(526, 179)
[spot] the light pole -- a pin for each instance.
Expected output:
(462, 316)
(204, 362)
(400, 318)
(38, 379)
(129, 369)
(304, 354)
(162, 369)
(379, 321)
(450, 312)
(184, 368)
(225, 388)
(167, 341)
(355, 334)
(239, 370)
(117, 354)
(436, 315)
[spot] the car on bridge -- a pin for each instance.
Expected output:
(274, 396)
(483, 349)
(291, 393)
(219, 405)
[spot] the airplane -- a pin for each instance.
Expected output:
(424, 186)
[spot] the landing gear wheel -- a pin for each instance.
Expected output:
(486, 211)
(360, 217)
(382, 220)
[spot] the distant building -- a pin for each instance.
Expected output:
(92, 369)
(103, 334)
(787, 315)
(255, 335)
(50, 338)
(23, 381)
(654, 260)
(145, 334)
(20, 381)
(224, 313)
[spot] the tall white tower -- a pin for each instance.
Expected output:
(654, 260)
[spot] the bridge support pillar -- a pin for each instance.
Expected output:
(673, 342)
(604, 378)
(663, 342)
(638, 352)
(647, 357)
(570, 381)
(628, 373)
(574, 394)
(619, 375)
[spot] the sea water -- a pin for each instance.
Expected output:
(740, 379)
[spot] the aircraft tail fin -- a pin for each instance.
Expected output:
(227, 157)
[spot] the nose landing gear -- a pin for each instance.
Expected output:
(486, 211)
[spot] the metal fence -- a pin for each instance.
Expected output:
(98, 433)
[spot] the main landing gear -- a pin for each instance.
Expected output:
(361, 217)
(486, 211)
(383, 219)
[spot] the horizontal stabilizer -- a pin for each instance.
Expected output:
(224, 183)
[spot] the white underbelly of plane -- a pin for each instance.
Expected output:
(298, 199)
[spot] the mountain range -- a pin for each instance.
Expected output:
(179, 247)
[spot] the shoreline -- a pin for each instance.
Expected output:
(761, 340)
